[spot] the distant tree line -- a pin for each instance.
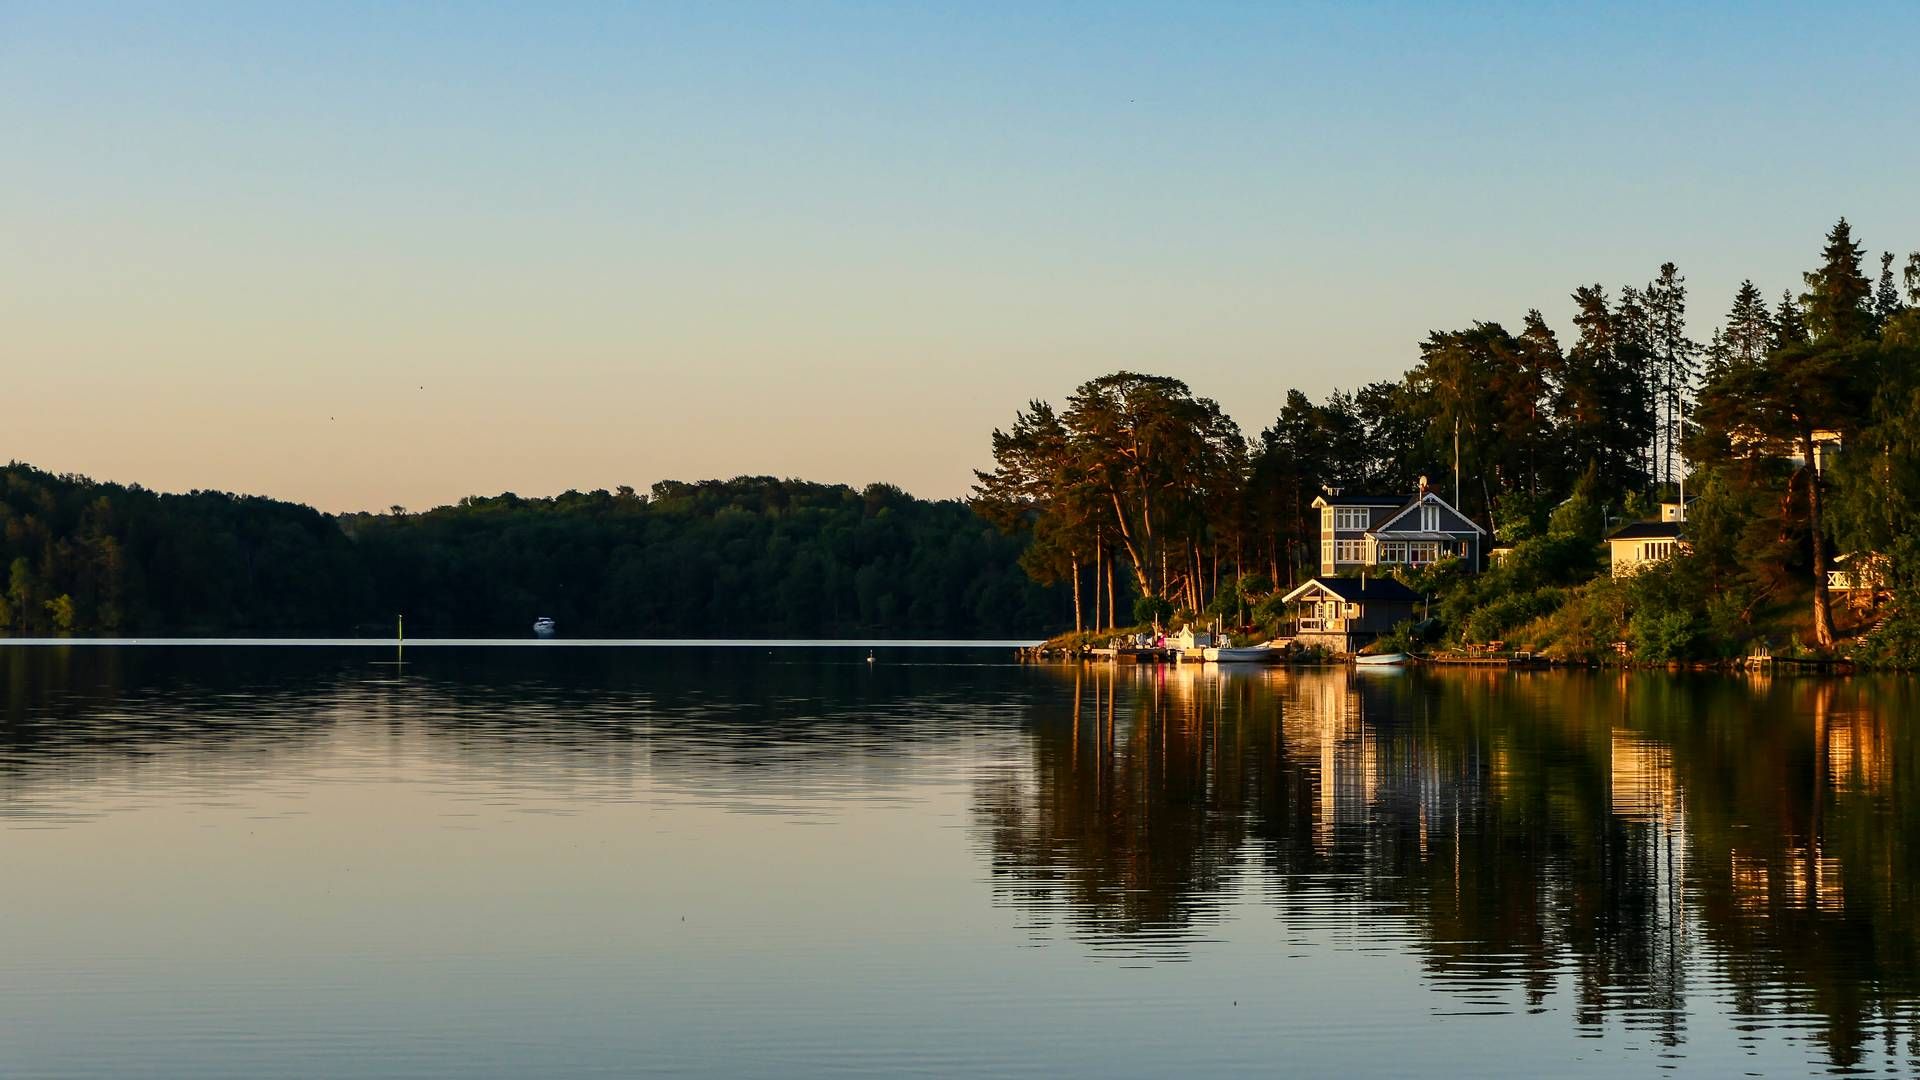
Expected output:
(1138, 473)
(753, 556)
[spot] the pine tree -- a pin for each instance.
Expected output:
(1886, 298)
(1599, 403)
(1789, 323)
(1632, 357)
(1749, 331)
(1719, 355)
(1675, 362)
(1529, 393)
(1839, 297)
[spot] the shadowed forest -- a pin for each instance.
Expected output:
(752, 557)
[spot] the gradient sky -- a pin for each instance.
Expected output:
(362, 256)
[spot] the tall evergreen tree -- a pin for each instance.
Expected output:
(1812, 382)
(1675, 359)
(1886, 298)
(1789, 322)
(1633, 353)
(1527, 391)
(1599, 404)
(1394, 435)
(1033, 488)
(1839, 298)
(1749, 331)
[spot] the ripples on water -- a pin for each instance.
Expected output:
(248, 861)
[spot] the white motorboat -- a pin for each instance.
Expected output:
(1252, 654)
(1385, 659)
(543, 627)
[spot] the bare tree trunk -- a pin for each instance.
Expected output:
(1099, 565)
(1078, 625)
(1133, 553)
(1193, 577)
(1239, 575)
(1822, 603)
(1112, 612)
(1216, 567)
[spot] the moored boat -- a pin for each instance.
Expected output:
(1252, 654)
(543, 627)
(1389, 659)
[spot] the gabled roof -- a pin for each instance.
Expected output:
(1358, 500)
(1649, 530)
(1354, 589)
(1418, 501)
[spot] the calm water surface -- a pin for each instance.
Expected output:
(785, 862)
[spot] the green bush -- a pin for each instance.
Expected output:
(1149, 610)
(1894, 646)
(1662, 636)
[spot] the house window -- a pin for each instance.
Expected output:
(1326, 519)
(1349, 550)
(1429, 519)
(1393, 552)
(1353, 611)
(1654, 552)
(1326, 553)
(1350, 519)
(1422, 552)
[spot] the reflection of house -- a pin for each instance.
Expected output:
(1635, 546)
(1393, 530)
(1345, 614)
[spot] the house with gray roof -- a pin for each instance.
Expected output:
(1346, 614)
(1637, 545)
(1362, 532)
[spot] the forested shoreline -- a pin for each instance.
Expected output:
(1149, 500)
(747, 557)
(1140, 499)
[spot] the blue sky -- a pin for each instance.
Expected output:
(360, 256)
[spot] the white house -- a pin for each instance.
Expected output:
(1358, 531)
(1635, 546)
(1189, 638)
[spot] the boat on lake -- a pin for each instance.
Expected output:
(1386, 659)
(543, 627)
(1251, 654)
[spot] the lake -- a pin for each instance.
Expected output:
(782, 861)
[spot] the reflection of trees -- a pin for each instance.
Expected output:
(1131, 811)
(750, 729)
(1621, 839)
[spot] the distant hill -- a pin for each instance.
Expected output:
(752, 556)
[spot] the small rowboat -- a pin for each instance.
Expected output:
(1389, 659)
(1255, 654)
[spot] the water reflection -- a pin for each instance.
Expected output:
(1670, 863)
(1636, 846)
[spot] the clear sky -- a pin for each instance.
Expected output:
(399, 254)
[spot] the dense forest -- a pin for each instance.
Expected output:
(753, 556)
(1139, 499)
(1151, 503)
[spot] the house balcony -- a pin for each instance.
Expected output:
(1317, 625)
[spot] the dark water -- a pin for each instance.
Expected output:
(725, 862)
